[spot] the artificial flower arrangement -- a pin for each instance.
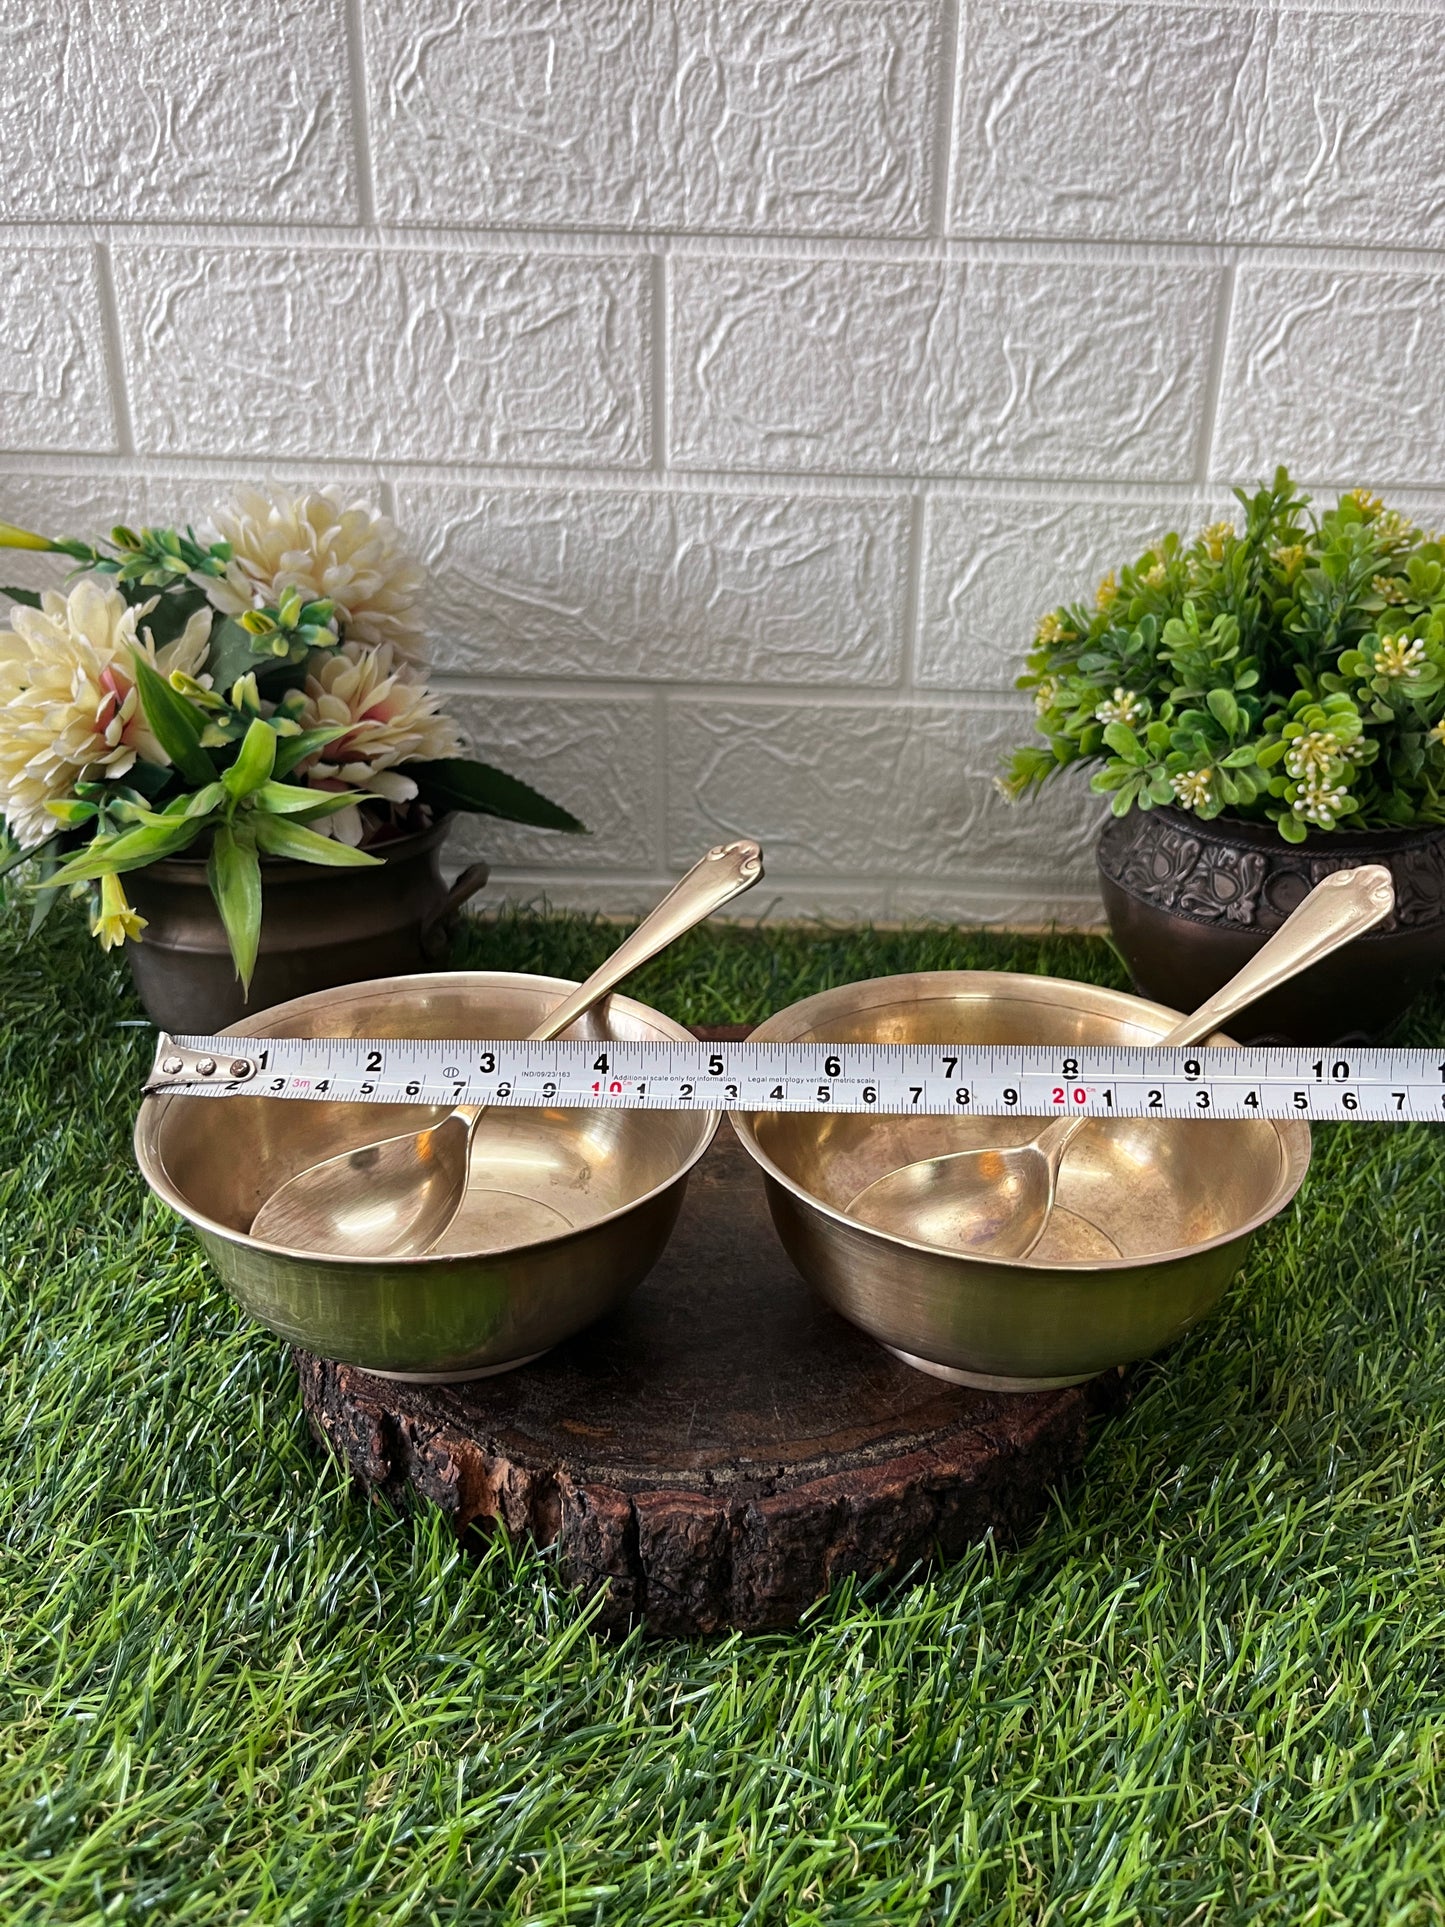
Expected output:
(257, 689)
(1291, 672)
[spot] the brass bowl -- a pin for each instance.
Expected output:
(1152, 1222)
(613, 1181)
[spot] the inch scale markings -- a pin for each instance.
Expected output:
(1037, 1080)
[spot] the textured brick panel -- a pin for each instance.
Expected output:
(1098, 120)
(634, 896)
(979, 898)
(673, 587)
(368, 353)
(152, 113)
(885, 791)
(597, 758)
(992, 568)
(59, 505)
(53, 392)
(1352, 137)
(765, 116)
(1033, 368)
(1340, 372)
(1208, 123)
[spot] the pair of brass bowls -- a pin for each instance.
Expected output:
(1177, 1201)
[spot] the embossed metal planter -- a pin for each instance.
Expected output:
(319, 928)
(1190, 902)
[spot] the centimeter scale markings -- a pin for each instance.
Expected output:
(1034, 1080)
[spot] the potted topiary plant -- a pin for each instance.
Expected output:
(203, 724)
(1263, 705)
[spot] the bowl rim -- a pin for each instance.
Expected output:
(146, 1146)
(1293, 1137)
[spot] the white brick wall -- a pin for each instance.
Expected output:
(750, 372)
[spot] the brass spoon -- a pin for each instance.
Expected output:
(998, 1200)
(399, 1195)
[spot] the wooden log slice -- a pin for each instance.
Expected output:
(722, 1449)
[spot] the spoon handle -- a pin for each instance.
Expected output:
(725, 872)
(1343, 906)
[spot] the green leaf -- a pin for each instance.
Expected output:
(289, 799)
(279, 837)
(148, 778)
(29, 598)
(234, 874)
(292, 750)
(1122, 740)
(458, 783)
(14, 858)
(46, 900)
(232, 655)
(1224, 709)
(177, 724)
(171, 614)
(132, 850)
(202, 802)
(253, 766)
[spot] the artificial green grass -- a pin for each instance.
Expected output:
(1211, 1688)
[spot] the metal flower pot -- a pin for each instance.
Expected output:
(319, 928)
(1190, 902)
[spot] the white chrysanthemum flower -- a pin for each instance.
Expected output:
(1191, 786)
(68, 701)
(390, 717)
(1122, 707)
(1046, 694)
(329, 551)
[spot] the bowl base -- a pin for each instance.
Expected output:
(456, 1378)
(986, 1381)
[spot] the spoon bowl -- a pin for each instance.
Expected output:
(998, 1199)
(403, 1194)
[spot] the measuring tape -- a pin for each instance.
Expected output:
(995, 1080)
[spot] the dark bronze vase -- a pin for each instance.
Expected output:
(1190, 902)
(319, 928)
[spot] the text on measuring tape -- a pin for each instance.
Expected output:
(1037, 1080)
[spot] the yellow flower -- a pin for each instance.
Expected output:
(1215, 538)
(68, 701)
(1437, 734)
(1289, 557)
(327, 550)
(1387, 588)
(115, 920)
(1369, 505)
(1107, 593)
(390, 717)
(1156, 577)
(1051, 629)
